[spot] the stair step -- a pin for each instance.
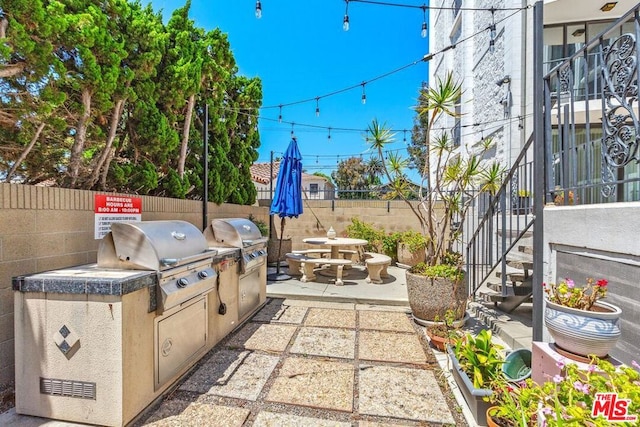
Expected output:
(525, 249)
(519, 290)
(515, 272)
(520, 264)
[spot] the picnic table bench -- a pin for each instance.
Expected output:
(305, 265)
(376, 266)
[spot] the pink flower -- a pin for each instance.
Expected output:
(581, 387)
(602, 283)
(546, 410)
(571, 284)
(591, 368)
(558, 378)
(635, 364)
(560, 363)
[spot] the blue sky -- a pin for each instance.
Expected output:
(300, 51)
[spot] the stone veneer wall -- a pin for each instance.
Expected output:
(50, 228)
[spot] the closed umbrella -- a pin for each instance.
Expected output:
(287, 198)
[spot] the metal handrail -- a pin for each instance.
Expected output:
(484, 251)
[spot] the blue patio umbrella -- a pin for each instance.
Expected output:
(287, 198)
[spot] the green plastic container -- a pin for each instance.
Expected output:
(517, 365)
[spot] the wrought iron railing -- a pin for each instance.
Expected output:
(591, 119)
(506, 218)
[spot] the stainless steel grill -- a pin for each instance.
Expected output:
(177, 250)
(243, 234)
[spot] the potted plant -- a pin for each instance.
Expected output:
(274, 245)
(523, 205)
(443, 333)
(451, 179)
(411, 248)
(477, 363)
(578, 321)
(577, 397)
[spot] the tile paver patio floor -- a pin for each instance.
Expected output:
(297, 365)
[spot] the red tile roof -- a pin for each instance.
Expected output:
(260, 172)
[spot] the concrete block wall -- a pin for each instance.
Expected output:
(320, 215)
(49, 228)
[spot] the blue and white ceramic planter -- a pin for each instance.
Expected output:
(584, 332)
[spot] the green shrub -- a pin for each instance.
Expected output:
(440, 271)
(262, 226)
(413, 240)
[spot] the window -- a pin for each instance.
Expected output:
(313, 189)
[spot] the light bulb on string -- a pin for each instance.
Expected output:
(292, 134)
(280, 115)
(329, 135)
(492, 45)
(345, 20)
(364, 95)
(423, 32)
(258, 9)
(317, 107)
(404, 137)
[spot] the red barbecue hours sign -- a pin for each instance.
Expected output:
(109, 209)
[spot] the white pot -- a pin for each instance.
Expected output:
(584, 332)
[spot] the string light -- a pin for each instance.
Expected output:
(423, 32)
(280, 115)
(258, 9)
(345, 20)
(424, 58)
(364, 95)
(317, 107)
(329, 135)
(404, 137)
(292, 125)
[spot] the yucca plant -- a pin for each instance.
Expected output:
(450, 178)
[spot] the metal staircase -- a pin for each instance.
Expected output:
(498, 253)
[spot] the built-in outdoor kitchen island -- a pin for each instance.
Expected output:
(98, 343)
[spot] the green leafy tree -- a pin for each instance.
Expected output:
(357, 179)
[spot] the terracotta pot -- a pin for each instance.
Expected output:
(406, 257)
(438, 342)
(490, 420)
(431, 298)
(272, 250)
(584, 332)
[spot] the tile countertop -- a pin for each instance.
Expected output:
(90, 279)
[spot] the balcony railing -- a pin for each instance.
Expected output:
(591, 120)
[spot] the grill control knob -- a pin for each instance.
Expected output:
(203, 274)
(182, 282)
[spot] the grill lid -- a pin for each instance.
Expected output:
(233, 232)
(151, 245)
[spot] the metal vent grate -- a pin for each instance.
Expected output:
(69, 388)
